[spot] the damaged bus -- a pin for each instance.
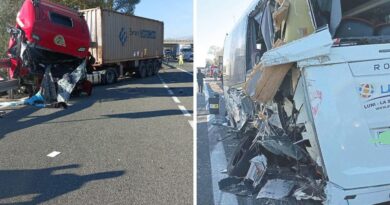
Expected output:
(306, 82)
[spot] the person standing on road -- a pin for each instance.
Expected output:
(200, 77)
(216, 73)
(181, 62)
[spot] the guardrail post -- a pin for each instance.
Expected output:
(11, 94)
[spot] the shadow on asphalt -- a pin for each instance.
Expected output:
(179, 77)
(135, 115)
(44, 184)
(144, 92)
(148, 114)
(11, 122)
(100, 94)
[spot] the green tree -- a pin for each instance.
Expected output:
(122, 6)
(213, 54)
(9, 9)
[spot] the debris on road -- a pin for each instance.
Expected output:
(236, 186)
(2, 114)
(276, 189)
(257, 170)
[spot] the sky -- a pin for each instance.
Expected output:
(176, 15)
(215, 18)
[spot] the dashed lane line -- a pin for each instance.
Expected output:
(53, 154)
(185, 71)
(176, 100)
(184, 111)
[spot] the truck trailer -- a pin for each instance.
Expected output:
(306, 84)
(124, 44)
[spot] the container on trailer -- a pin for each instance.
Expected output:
(119, 38)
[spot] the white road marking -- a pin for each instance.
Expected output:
(184, 111)
(176, 100)
(191, 123)
(206, 94)
(185, 71)
(12, 103)
(53, 154)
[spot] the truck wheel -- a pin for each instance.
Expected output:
(110, 76)
(156, 67)
(142, 70)
(149, 69)
(239, 163)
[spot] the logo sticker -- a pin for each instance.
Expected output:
(366, 90)
(59, 40)
(123, 36)
(383, 138)
(375, 97)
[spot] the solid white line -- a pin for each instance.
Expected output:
(184, 111)
(191, 123)
(184, 71)
(206, 95)
(53, 154)
(176, 100)
(165, 86)
(218, 162)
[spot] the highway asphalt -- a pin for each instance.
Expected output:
(129, 143)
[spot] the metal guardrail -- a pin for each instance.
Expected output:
(8, 85)
(178, 41)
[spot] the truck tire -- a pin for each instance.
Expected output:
(149, 68)
(141, 70)
(239, 163)
(110, 76)
(156, 67)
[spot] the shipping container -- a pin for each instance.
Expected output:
(129, 42)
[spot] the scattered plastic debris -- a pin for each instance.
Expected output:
(235, 185)
(257, 169)
(276, 189)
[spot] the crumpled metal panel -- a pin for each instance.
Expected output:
(276, 189)
(314, 45)
(240, 107)
(69, 81)
(284, 147)
(257, 169)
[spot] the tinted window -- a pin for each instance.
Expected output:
(61, 20)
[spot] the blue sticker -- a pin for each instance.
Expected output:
(123, 36)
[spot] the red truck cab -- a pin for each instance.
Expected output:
(54, 27)
(47, 34)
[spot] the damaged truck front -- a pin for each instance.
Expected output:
(306, 83)
(48, 52)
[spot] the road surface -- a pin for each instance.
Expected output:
(129, 143)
